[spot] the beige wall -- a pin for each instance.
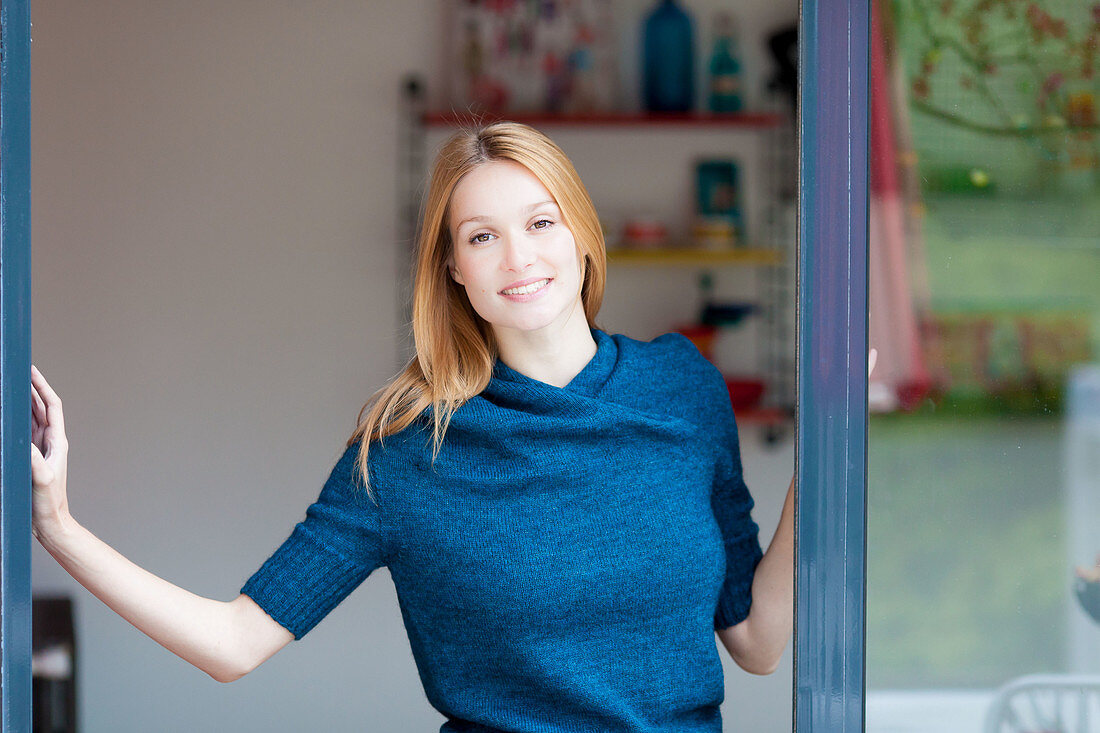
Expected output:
(213, 297)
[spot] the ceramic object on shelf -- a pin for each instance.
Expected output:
(724, 69)
(726, 314)
(714, 233)
(718, 195)
(702, 335)
(644, 233)
(745, 392)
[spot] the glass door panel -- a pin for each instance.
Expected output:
(984, 448)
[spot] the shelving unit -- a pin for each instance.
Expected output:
(772, 253)
(691, 257)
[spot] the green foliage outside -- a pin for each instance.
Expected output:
(1021, 76)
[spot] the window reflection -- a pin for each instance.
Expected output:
(984, 453)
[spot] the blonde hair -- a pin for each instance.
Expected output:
(455, 347)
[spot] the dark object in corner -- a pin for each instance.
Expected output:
(783, 45)
(1088, 593)
(725, 314)
(53, 645)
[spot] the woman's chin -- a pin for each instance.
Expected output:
(532, 318)
(530, 323)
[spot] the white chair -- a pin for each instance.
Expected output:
(1055, 703)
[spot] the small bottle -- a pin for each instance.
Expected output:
(725, 68)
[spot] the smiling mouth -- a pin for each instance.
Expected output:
(527, 289)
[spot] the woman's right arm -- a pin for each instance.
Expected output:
(224, 639)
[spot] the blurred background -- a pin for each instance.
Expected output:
(984, 463)
(221, 234)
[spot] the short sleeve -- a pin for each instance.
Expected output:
(732, 505)
(339, 543)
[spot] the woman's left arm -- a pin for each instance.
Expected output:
(757, 643)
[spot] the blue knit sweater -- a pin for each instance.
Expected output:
(565, 562)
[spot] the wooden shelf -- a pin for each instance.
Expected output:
(751, 120)
(691, 257)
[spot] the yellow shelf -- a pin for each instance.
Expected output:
(689, 257)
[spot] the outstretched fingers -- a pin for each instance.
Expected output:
(38, 407)
(55, 419)
(38, 419)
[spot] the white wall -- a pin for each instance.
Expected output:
(213, 297)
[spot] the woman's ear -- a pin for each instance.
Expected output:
(454, 271)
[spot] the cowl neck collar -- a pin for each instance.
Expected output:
(588, 381)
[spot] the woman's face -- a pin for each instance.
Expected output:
(512, 251)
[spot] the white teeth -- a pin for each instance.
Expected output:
(524, 290)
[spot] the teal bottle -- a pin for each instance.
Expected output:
(724, 70)
(669, 59)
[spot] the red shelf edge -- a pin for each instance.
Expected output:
(620, 119)
(761, 416)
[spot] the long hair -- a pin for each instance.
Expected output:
(455, 347)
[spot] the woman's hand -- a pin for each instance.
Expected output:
(1090, 574)
(49, 457)
(758, 641)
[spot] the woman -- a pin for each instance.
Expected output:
(562, 510)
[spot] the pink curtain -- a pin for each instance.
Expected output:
(901, 377)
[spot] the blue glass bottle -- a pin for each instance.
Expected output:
(669, 59)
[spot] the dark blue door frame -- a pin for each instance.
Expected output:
(15, 359)
(832, 379)
(831, 453)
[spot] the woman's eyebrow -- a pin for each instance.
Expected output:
(481, 219)
(485, 219)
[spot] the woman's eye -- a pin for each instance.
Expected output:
(480, 238)
(542, 223)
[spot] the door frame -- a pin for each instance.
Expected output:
(831, 450)
(15, 373)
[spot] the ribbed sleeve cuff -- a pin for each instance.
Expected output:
(735, 599)
(302, 582)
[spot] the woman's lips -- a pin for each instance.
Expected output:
(530, 291)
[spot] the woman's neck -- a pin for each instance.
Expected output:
(554, 354)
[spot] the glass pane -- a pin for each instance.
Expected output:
(984, 453)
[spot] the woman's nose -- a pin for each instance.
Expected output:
(519, 253)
